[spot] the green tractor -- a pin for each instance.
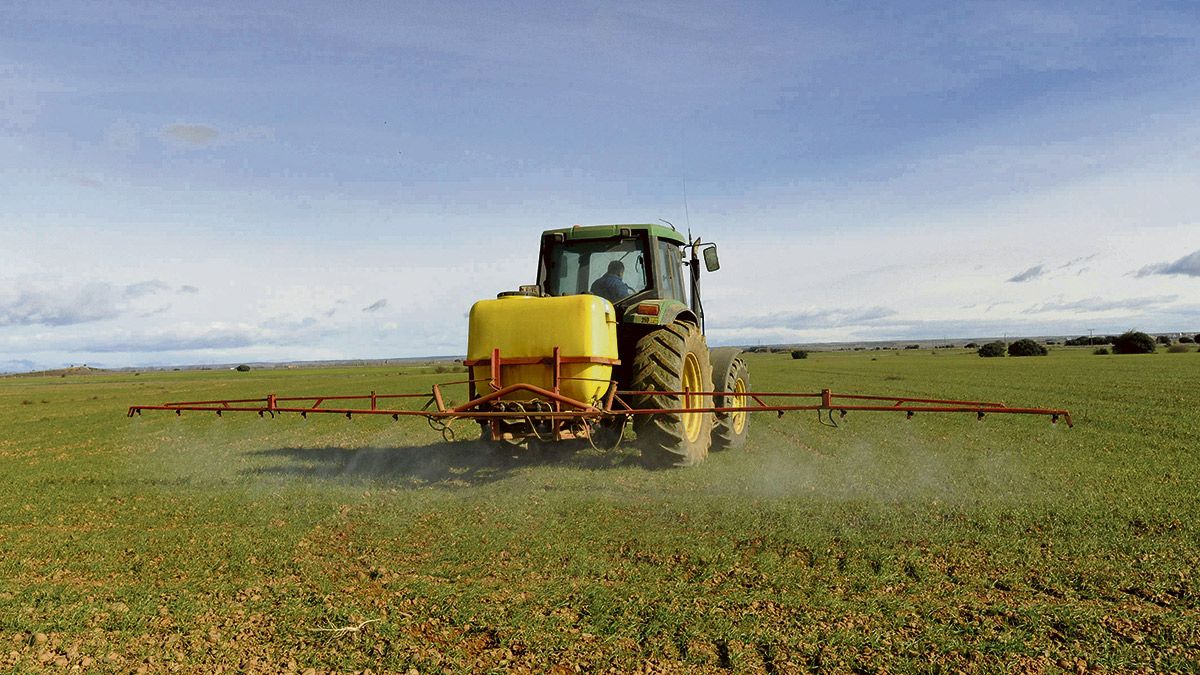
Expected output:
(608, 334)
(641, 270)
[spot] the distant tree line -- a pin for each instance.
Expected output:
(1129, 342)
(1088, 341)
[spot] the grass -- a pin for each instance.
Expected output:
(932, 544)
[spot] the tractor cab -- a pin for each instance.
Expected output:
(638, 268)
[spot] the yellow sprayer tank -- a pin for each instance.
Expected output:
(523, 326)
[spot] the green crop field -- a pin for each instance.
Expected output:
(938, 543)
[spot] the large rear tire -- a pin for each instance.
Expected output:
(673, 358)
(731, 429)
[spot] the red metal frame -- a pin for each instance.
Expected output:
(563, 410)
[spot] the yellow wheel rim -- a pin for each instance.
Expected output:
(738, 419)
(690, 379)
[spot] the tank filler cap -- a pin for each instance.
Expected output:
(523, 293)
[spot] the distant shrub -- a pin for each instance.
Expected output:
(1186, 340)
(1134, 342)
(799, 354)
(1196, 337)
(971, 345)
(913, 347)
(243, 368)
(1163, 340)
(1179, 349)
(1051, 342)
(1101, 351)
(992, 349)
(1026, 347)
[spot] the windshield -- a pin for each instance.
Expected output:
(613, 269)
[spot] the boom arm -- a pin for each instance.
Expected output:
(537, 404)
(369, 404)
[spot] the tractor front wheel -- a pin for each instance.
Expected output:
(673, 358)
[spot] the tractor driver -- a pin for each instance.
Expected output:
(611, 286)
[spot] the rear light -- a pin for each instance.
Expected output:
(648, 310)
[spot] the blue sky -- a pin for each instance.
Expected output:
(184, 183)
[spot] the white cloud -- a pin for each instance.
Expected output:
(25, 301)
(376, 306)
(191, 134)
(176, 339)
(17, 366)
(21, 97)
(143, 288)
(1029, 274)
(1188, 266)
(813, 318)
(1091, 305)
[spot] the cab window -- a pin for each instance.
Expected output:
(611, 268)
(670, 277)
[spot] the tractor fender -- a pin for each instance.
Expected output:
(665, 313)
(722, 358)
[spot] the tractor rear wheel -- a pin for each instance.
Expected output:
(673, 358)
(731, 429)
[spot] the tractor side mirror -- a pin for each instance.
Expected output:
(711, 262)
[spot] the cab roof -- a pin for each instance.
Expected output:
(610, 231)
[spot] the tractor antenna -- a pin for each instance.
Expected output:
(687, 216)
